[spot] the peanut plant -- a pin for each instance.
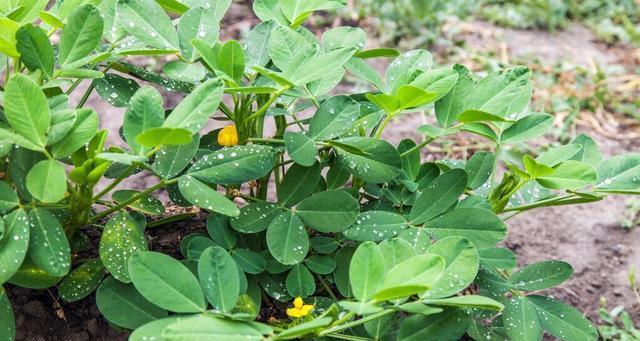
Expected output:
(316, 226)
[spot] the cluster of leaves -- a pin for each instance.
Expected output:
(382, 244)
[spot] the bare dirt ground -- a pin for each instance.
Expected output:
(587, 236)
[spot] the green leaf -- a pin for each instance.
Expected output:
(121, 238)
(364, 71)
(329, 211)
(35, 49)
(497, 257)
(300, 282)
(123, 306)
(123, 158)
(165, 282)
(316, 67)
(14, 245)
(462, 262)
(194, 110)
(7, 320)
(207, 327)
(520, 320)
(449, 325)
(437, 82)
(569, 175)
(323, 265)
(116, 90)
(406, 63)
(535, 169)
(452, 104)
(218, 275)
(527, 128)
(8, 198)
(235, 165)
(153, 330)
(220, 231)
(82, 281)
(479, 168)
(81, 34)
(219, 7)
(481, 227)
(48, 245)
(619, 174)
(231, 60)
(164, 136)
(148, 22)
(298, 183)
(501, 92)
(343, 36)
(147, 204)
(411, 276)
(384, 52)
(366, 271)
(443, 192)
(556, 156)
(84, 128)
(203, 196)
(474, 115)
(334, 117)
(381, 162)
(285, 45)
(145, 111)
(47, 181)
(295, 9)
(287, 239)
(411, 96)
(395, 251)
(589, 153)
(376, 226)
(26, 109)
(255, 217)
(256, 44)
(249, 261)
(541, 275)
(467, 301)
(197, 23)
(301, 148)
(8, 29)
(171, 160)
(561, 320)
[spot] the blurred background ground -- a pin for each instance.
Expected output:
(585, 58)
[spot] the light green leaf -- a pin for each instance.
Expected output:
(479, 168)
(527, 128)
(81, 34)
(171, 160)
(164, 136)
(194, 110)
(619, 174)
(366, 271)
(26, 109)
(256, 43)
(218, 275)
(395, 251)
(123, 306)
(411, 276)
(316, 67)
(197, 23)
(467, 301)
(500, 92)
(497, 257)
(231, 60)
(145, 111)
(438, 82)
(121, 238)
(8, 29)
(165, 282)
(48, 245)
(452, 104)
(207, 328)
(287, 239)
(148, 22)
(406, 63)
(84, 128)
(47, 181)
(569, 175)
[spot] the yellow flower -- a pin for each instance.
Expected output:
(299, 308)
(228, 136)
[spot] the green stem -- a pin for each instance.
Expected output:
(417, 147)
(326, 287)
(159, 185)
(355, 323)
(171, 219)
(265, 140)
(348, 337)
(384, 124)
(266, 106)
(496, 162)
(114, 183)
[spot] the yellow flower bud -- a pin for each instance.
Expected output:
(299, 308)
(228, 136)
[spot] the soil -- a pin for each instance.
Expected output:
(587, 236)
